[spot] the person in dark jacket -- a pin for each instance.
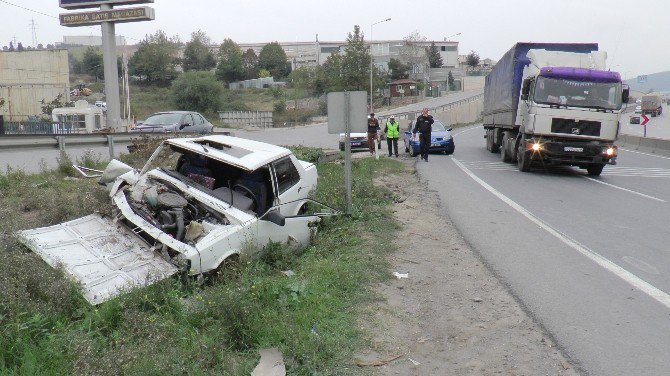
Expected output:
(373, 129)
(424, 126)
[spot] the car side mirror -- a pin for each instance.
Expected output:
(275, 217)
(184, 125)
(625, 94)
(525, 89)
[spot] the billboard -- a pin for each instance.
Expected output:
(79, 4)
(114, 15)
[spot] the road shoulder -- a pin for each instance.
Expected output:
(450, 315)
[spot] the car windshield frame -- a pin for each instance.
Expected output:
(163, 118)
(439, 124)
(583, 94)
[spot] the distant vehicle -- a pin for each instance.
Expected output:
(441, 140)
(102, 105)
(174, 121)
(358, 141)
(652, 104)
(638, 101)
(638, 109)
(635, 120)
(553, 104)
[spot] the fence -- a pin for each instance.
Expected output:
(40, 127)
(261, 119)
(466, 110)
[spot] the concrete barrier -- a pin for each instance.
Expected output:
(644, 144)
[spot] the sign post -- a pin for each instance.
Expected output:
(107, 18)
(347, 113)
(645, 120)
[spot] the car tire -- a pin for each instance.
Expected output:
(412, 153)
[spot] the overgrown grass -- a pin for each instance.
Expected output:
(176, 326)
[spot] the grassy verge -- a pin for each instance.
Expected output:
(176, 326)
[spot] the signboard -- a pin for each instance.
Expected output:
(642, 79)
(80, 4)
(357, 114)
(115, 15)
(645, 119)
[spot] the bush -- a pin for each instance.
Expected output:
(196, 91)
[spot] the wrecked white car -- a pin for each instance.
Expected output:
(197, 202)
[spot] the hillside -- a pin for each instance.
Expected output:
(655, 82)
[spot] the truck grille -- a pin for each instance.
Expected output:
(580, 128)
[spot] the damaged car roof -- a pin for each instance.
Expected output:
(243, 153)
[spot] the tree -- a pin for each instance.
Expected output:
(413, 53)
(355, 63)
(196, 91)
(230, 66)
(434, 57)
(92, 63)
(11, 46)
(273, 58)
(262, 73)
(398, 69)
(156, 59)
(331, 73)
(472, 60)
(250, 63)
(48, 107)
(197, 56)
(451, 82)
(19, 47)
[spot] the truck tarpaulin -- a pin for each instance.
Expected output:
(503, 84)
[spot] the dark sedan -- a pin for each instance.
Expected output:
(174, 121)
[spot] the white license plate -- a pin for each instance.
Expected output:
(574, 149)
(355, 144)
(434, 145)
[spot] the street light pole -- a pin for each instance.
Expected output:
(370, 36)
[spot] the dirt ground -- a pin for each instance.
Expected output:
(450, 316)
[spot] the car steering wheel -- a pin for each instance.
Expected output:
(248, 193)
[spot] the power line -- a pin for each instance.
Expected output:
(28, 9)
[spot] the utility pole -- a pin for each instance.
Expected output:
(33, 27)
(111, 72)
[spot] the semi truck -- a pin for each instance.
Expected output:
(652, 104)
(553, 104)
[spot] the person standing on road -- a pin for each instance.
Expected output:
(392, 130)
(373, 129)
(424, 125)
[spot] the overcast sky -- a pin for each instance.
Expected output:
(635, 34)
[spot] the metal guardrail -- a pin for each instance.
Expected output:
(444, 107)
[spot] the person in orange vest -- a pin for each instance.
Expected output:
(392, 130)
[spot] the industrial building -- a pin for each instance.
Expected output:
(28, 77)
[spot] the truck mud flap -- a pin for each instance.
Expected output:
(104, 257)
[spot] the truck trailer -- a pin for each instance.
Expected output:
(652, 104)
(553, 104)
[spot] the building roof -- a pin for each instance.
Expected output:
(239, 152)
(402, 81)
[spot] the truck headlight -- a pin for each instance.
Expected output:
(610, 152)
(536, 146)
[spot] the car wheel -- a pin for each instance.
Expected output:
(412, 153)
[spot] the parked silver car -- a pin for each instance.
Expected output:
(174, 121)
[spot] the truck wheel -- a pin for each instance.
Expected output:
(505, 148)
(595, 170)
(524, 158)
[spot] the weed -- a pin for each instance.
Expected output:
(65, 164)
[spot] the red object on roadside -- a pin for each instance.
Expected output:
(645, 119)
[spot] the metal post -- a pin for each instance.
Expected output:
(347, 153)
(110, 143)
(371, 58)
(2, 124)
(111, 73)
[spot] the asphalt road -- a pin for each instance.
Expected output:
(588, 258)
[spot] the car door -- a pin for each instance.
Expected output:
(187, 123)
(199, 125)
(287, 178)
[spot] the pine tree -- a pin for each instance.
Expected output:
(434, 58)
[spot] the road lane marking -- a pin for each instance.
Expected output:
(647, 154)
(628, 277)
(623, 189)
(468, 130)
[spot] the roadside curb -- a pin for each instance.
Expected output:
(646, 144)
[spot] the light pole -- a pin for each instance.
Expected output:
(371, 25)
